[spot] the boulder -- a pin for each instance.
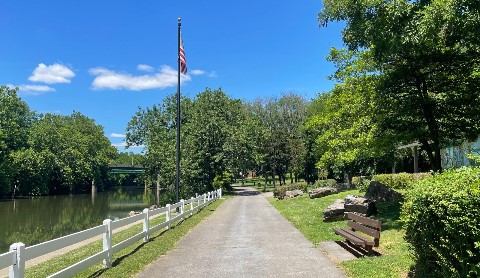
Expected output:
(322, 192)
(360, 205)
(334, 212)
(378, 192)
(293, 193)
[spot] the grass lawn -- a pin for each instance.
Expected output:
(258, 183)
(307, 216)
(133, 259)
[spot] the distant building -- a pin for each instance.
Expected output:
(453, 157)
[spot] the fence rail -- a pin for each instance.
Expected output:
(17, 256)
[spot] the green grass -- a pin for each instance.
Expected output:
(307, 216)
(130, 260)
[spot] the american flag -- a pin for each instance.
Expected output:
(181, 56)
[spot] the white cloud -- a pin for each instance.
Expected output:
(144, 67)
(197, 72)
(52, 74)
(109, 79)
(117, 135)
(212, 74)
(32, 90)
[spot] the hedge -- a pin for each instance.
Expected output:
(400, 180)
(279, 191)
(325, 183)
(441, 215)
(361, 182)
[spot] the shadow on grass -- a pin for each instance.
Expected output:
(355, 250)
(119, 260)
(389, 214)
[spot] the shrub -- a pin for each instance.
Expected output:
(361, 182)
(442, 223)
(279, 191)
(325, 183)
(223, 181)
(401, 180)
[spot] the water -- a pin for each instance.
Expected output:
(40, 219)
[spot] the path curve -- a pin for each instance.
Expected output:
(244, 237)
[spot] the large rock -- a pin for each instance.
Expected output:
(322, 192)
(335, 212)
(380, 193)
(293, 193)
(360, 205)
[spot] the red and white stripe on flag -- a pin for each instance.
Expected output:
(181, 56)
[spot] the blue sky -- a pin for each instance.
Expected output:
(107, 58)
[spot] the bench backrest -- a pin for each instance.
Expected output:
(366, 225)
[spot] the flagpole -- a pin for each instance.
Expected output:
(177, 179)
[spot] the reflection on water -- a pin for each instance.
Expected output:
(40, 219)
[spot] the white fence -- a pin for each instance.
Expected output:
(19, 254)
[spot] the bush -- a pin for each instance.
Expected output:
(401, 180)
(361, 182)
(442, 223)
(279, 191)
(325, 183)
(223, 181)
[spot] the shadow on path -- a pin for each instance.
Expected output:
(243, 191)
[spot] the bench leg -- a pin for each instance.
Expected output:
(369, 250)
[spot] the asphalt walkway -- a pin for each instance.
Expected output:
(245, 237)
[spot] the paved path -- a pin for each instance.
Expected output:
(245, 237)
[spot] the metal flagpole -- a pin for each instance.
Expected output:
(177, 180)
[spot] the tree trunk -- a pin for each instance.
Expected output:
(291, 177)
(432, 124)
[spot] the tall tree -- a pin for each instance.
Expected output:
(80, 149)
(15, 121)
(428, 57)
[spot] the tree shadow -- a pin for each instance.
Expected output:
(389, 214)
(246, 192)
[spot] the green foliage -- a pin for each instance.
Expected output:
(325, 183)
(80, 151)
(15, 121)
(279, 191)
(400, 180)
(216, 137)
(442, 223)
(223, 181)
(361, 182)
(425, 55)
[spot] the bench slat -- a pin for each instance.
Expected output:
(365, 220)
(353, 237)
(365, 229)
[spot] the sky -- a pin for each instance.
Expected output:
(107, 58)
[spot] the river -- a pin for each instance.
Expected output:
(39, 219)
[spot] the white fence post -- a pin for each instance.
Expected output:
(199, 202)
(208, 198)
(191, 205)
(107, 242)
(204, 199)
(182, 208)
(145, 224)
(220, 193)
(18, 270)
(168, 216)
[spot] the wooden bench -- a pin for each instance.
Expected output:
(366, 225)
